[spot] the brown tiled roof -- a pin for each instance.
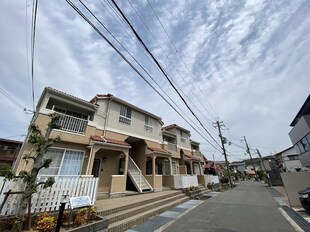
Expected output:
(100, 95)
(175, 126)
(107, 140)
(156, 149)
(211, 165)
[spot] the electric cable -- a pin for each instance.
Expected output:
(163, 71)
(127, 61)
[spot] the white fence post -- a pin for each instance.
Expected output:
(49, 199)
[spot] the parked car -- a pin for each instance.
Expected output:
(304, 197)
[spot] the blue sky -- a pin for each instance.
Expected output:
(244, 61)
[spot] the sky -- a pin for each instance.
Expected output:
(245, 63)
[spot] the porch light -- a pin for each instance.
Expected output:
(104, 159)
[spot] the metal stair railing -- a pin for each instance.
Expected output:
(134, 169)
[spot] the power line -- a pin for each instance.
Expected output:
(124, 58)
(33, 36)
(182, 60)
(163, 71)
(11, 99)
(177, 71)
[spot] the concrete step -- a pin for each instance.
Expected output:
(112, 218)
(139, 203)
(129, 222)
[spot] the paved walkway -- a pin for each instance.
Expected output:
(163, 220)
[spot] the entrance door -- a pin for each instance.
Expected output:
(96, 168)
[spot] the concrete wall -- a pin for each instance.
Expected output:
(294, 182)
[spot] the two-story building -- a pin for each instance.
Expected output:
(300, 133)
(122, 144)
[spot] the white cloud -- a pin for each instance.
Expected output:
(249, 58)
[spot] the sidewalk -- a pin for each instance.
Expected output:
(284, 200)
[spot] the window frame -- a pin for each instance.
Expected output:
(64, 150)
(148, 124)
(125, 115)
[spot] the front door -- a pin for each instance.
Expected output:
(96, 168)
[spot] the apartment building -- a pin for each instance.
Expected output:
(122, 144)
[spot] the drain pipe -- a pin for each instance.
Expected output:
(107, 117)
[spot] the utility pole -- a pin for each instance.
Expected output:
(249, 152)
(265, 170)
(218, 125)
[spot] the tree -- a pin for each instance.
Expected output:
(41, 143)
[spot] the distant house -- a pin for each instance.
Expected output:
(238, 166)
(213, 168)
(300, 133)
(290, 160)
(9, 150)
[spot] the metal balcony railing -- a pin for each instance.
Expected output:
(72, 124)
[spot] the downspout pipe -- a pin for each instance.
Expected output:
(107, 117)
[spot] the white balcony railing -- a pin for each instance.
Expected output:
(197, 153)
(172, 147)
(72, 124)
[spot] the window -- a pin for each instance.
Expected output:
(65, 162)
(182, 139)
(305, 143)
(166, 173)
(148, 124)
(174, 168)
(125, 115)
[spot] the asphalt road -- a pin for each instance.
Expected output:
(248, 207)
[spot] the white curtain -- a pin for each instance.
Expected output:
(53, 169)
(65, 162)
(72, 163)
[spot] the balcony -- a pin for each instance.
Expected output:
(172, 147)
(196, 153)
(72, 124)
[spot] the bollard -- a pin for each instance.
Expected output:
(60, 214)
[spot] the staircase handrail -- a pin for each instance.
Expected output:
(132, 165)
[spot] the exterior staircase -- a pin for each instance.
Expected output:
(137, 177)
(125, 212)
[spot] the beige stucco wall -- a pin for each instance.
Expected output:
(201, 180)
(27, 149)
(118, 183)
(157, 183)
(43, 120)
(108, 167)
(182, 169)
(294, 182)
(168, 181)
(136, 129)
(137, 153)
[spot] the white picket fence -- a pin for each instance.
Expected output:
(49, 199)
(183, 181)
(210, 179)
